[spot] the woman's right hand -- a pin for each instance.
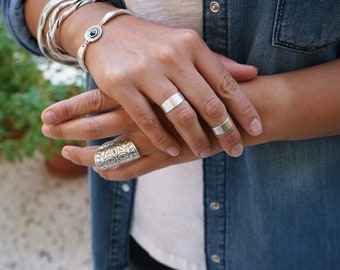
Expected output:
(139, 63)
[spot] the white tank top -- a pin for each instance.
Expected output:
(168, 211)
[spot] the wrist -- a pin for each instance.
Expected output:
(71, 33)
(265, 93)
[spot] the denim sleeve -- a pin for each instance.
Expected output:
(13, 15)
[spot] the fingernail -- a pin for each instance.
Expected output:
(205, 153)
(48, 117)
(46, 131)
(65, 154)
(237, 150)
(256, 127)
(173, 151)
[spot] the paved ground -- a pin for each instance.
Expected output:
(44, 220)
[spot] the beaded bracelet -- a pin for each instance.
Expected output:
(95, 32)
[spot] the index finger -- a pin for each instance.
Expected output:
(93, 101)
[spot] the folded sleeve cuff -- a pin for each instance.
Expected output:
(13, 15)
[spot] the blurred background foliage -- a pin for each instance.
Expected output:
(24, 93)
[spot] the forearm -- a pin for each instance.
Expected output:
(71, 33)
(301, 104)
(33, 9)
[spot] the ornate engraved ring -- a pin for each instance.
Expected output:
(114, 153)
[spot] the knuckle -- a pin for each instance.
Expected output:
(158, 136)
(247, 108)
(140, 67)
(186, 117)
(214, 108)
(57, 132)
(116, 78)
(229, 85)
(66, 110)
(161, 140)
(166, 55)
(95, 100)
(147, 123)
(186, 39)
(189, 36)
(92, 129)
(232, 137)
(199, 144)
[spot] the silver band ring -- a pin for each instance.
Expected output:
(172, 102)
(224, 127)
(114, 153)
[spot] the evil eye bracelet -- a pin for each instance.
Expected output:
(95, 32)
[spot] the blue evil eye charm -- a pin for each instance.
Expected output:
(93, 33)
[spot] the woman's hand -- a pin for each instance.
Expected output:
(112, 120)
(139, 63)
(296, 105)
(112, 123)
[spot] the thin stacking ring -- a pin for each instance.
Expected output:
(172, 102)
(224, 127)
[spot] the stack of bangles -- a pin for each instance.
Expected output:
(53, 15)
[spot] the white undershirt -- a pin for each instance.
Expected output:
(168, 211)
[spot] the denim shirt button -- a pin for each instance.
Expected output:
(125, 187)
(215, 7)
(214, 206)
(215, 258)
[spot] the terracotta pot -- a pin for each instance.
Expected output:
(62, 167)
(14, 133)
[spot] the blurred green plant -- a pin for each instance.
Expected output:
(24, 94)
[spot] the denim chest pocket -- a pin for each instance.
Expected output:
(306, 25)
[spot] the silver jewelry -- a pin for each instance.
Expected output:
(55, 22)
(115, 153)
(47, 43)
(95, 32)
(224, 127)
(172, 102)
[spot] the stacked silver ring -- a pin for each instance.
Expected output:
(114, 153)
(224, 127)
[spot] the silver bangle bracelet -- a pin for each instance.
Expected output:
(49, 7)
(47, 43)
(94, 32)
(55, 22)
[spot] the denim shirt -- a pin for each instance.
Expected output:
(278, 205)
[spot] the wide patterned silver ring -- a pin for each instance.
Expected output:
(114, 153)
(172, 102)
(224, 127)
